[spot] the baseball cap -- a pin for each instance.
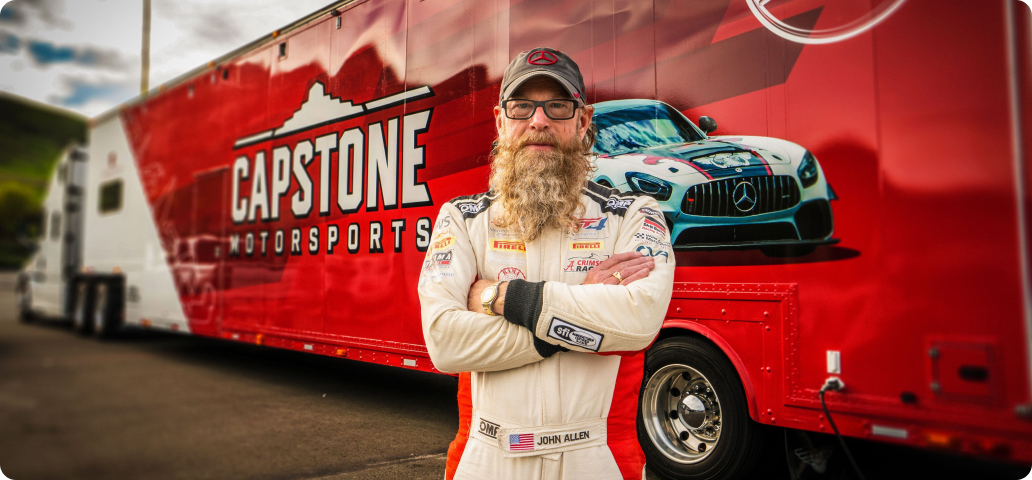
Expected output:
(543, 61)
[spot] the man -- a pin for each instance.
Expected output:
(570, 282)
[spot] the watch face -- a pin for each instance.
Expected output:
(487, 295)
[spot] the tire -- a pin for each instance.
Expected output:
(24, 298)
(82, 308)
(107, 314)
(712, 437)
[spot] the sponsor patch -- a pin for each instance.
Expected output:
(489, 428)
(444, 222)
(592, 245)
(653, 227)
(443, 259)
(443, 232)
(581, 337)
(584, 264)
(651, 239)
(471, 208)
(511, 273)
(444, 242)
(508, 246)
(649, 252)
(618, 203)
(508, 258)
(593, 223)
(651, 211)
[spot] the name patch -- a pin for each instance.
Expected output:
(581, 337)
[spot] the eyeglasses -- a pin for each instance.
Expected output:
(523, 109)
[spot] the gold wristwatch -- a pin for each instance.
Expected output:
(488, 297)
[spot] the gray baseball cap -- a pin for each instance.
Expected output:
(543, 61)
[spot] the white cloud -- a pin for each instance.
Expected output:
(185, 34)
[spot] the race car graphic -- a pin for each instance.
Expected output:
(719, 192)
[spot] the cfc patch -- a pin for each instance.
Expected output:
(584, 264)
(596, 245)
(581, 337)
(511, 273)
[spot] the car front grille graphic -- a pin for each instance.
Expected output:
(741, 197)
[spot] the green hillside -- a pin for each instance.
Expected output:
(32, 139)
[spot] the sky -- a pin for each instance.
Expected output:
(84, 55)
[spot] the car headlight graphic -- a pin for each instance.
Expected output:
(649, 185)
(808, 170)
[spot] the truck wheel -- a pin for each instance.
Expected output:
(693, 419)
(107, 316)
(24, 302)
(82, 313)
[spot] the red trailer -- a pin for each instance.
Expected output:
(283, 196)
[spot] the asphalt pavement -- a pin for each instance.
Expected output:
(166, 406)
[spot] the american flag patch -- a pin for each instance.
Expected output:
(521, 442)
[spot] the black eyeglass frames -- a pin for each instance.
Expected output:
(523, 109)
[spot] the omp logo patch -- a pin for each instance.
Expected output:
(489, 428)
(617, 203)
(508, 246)
(581, 337)
(471, 208)
(586, 245)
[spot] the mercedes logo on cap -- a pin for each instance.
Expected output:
(744, 196)
(542, 57)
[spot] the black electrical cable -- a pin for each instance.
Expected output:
(831, 422)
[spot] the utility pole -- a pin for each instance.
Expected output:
(145, 53)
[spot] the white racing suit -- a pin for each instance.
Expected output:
(554, 386)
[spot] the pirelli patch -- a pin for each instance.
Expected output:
(569, 333)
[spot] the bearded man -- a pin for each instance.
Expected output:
(570, 283)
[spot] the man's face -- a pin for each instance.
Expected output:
(543, 88)
(540, 165)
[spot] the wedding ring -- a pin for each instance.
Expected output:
(618, 276)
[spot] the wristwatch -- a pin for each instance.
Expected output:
(488, 297)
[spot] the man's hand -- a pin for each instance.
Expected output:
(631, 265)
(474, 304)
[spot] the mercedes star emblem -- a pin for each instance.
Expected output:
(744, 196)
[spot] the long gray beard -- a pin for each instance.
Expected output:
(539, 190)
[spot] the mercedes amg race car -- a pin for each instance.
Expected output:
(720, 192)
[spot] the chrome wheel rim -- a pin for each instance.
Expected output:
(681, 412)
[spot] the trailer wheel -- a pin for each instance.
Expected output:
(107, 314)
(82, 310)
(24, 297)
(693, 419)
